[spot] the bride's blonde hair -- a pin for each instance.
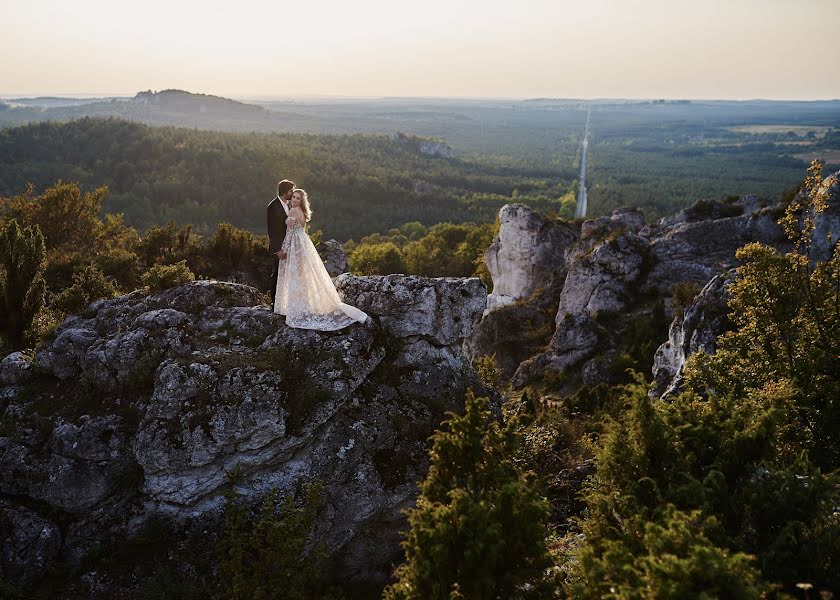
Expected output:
(304, 203)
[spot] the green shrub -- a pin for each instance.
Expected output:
(120, 265)
(161, 277)
(376, 259)
(674, 558)
(264, 555)
(89, 284)
(478, 530)
(683, 294)
(23, 260)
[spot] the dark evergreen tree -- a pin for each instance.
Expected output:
(22, 284)
(478, 530)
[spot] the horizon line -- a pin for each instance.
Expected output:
(293, 97)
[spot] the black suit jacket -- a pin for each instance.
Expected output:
(276, 217)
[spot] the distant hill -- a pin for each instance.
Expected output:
(166, 107)
(187, 103)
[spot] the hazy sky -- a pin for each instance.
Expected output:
(497, 48)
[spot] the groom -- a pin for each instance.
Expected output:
(277, 227)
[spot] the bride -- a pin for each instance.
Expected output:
(305, 293)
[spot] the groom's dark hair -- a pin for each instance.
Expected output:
(284, 186)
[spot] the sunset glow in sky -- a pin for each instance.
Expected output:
(453, 48)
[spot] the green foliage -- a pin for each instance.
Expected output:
(266, 555)
(376, 259)
(168, 243)
(161, 277)
(683, 294)
(674, 559)
(68, 218)
(446, 249)
(233, 246)
(487, 370)
(750, 452)
(478, 530)
(787, 318)
(22, 284)
(89, 284)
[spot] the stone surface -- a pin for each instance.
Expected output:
(612, 265)
(694, 331)
(158, 404)
(30, 543)
(528, 253)
(335, 260)
(15, 368)
(442, 310)
(602, 280)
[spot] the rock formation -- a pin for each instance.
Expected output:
(613, 266)
(335, 260)
(696, 330)
(156, 405)
(528, 253)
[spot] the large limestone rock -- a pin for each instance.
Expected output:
(527, 254)
(826, 234)
(155, 405)
(603, 278)
(441, 310)
(696, 246)
(694, 331)
(335, 260)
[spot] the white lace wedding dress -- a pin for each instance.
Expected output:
(305, 292)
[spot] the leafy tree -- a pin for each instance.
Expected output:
(376, 259)
(478, 530)
(22, 284)
(67, 218)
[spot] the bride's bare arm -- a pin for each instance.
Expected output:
(297, 215)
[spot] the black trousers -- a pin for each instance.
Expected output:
(274, 278)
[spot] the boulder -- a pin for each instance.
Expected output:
(30, 543)
(442, 310)
(527, 254)
(335, 260)
(15, 368)
(154, 406)
(696, 330)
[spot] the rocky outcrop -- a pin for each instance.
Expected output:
(156, 405)
(425, 145)
(617, 265)
(335, 260)
(826, 234)
(696, 330)
(604, 272)
(528, 253)
(696, 249)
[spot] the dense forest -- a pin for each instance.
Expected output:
(358, 184)
(660, 156)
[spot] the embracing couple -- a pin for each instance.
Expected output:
(301, 288)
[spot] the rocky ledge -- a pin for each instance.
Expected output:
(157, 405)
(568, 296)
